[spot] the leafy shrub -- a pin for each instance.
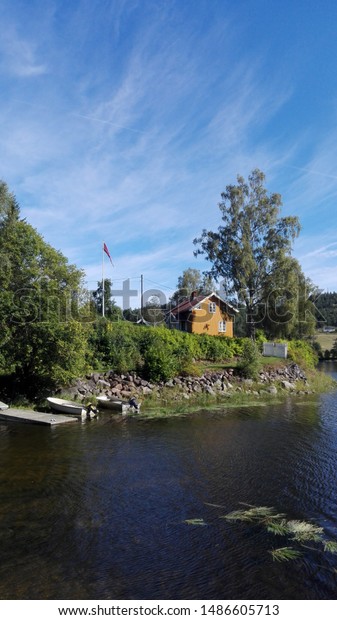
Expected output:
(251, 360)
(159, 352)
(302, 353)
(114, 345)
(260, 338)
(219, 348)
(190, 370)
(159, 364)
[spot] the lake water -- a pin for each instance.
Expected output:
(98, 510)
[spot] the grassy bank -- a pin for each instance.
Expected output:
(173, 402)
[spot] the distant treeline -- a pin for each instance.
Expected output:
(326, 309)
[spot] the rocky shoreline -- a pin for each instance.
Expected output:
(213, 383)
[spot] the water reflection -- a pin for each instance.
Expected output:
(97, 511)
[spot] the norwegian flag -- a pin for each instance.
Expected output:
(105, 248)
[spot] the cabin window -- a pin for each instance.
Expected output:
(212, 307)
(222, 327)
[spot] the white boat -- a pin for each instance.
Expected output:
(116, 404)
(3, 406)
(67, 407)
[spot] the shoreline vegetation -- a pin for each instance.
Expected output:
(175, 373)
(54, 330)
(215, 389)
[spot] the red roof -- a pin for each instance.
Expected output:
(189, 304)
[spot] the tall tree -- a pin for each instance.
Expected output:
(41, 337)
(288, 311)
(192, 280)
(249, 248)
(111, 310)
(9, 208)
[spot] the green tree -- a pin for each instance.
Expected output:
(111, 310)
(288, 311)
(192, 280)
(249, 248)
(41, 338)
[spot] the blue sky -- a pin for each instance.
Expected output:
(124, 120)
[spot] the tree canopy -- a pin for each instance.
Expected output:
(41, 338)
(326, 309)
(251, 251)
(192, 280)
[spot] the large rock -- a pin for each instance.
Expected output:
(287, 385)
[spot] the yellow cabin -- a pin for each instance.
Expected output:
(202, 314)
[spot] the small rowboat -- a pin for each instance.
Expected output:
(116, 404)
(67, 407)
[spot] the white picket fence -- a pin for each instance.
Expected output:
(275, 349)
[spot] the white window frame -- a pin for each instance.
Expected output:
(212, 307)
(222, 327)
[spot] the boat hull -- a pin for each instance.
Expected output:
(119, 406)
(67, 407)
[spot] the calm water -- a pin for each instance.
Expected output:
(97, 510)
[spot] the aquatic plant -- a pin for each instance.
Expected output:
(299, 533)
(283, 554)
(195, 522)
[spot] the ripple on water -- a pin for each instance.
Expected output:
(99, 510)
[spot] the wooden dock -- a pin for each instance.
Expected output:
(28, 416)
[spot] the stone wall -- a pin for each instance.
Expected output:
(220, 382)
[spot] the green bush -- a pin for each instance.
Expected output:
(115, 346)
(302, 353)
(260, 338)
(251, 362)
(158, 352)
(219, 348)
(159, 364)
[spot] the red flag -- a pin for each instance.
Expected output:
(105, 248)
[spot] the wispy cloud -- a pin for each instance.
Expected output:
(19, 56)
(141, 114)
(323, 251)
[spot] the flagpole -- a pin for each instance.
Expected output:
(103, 309)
